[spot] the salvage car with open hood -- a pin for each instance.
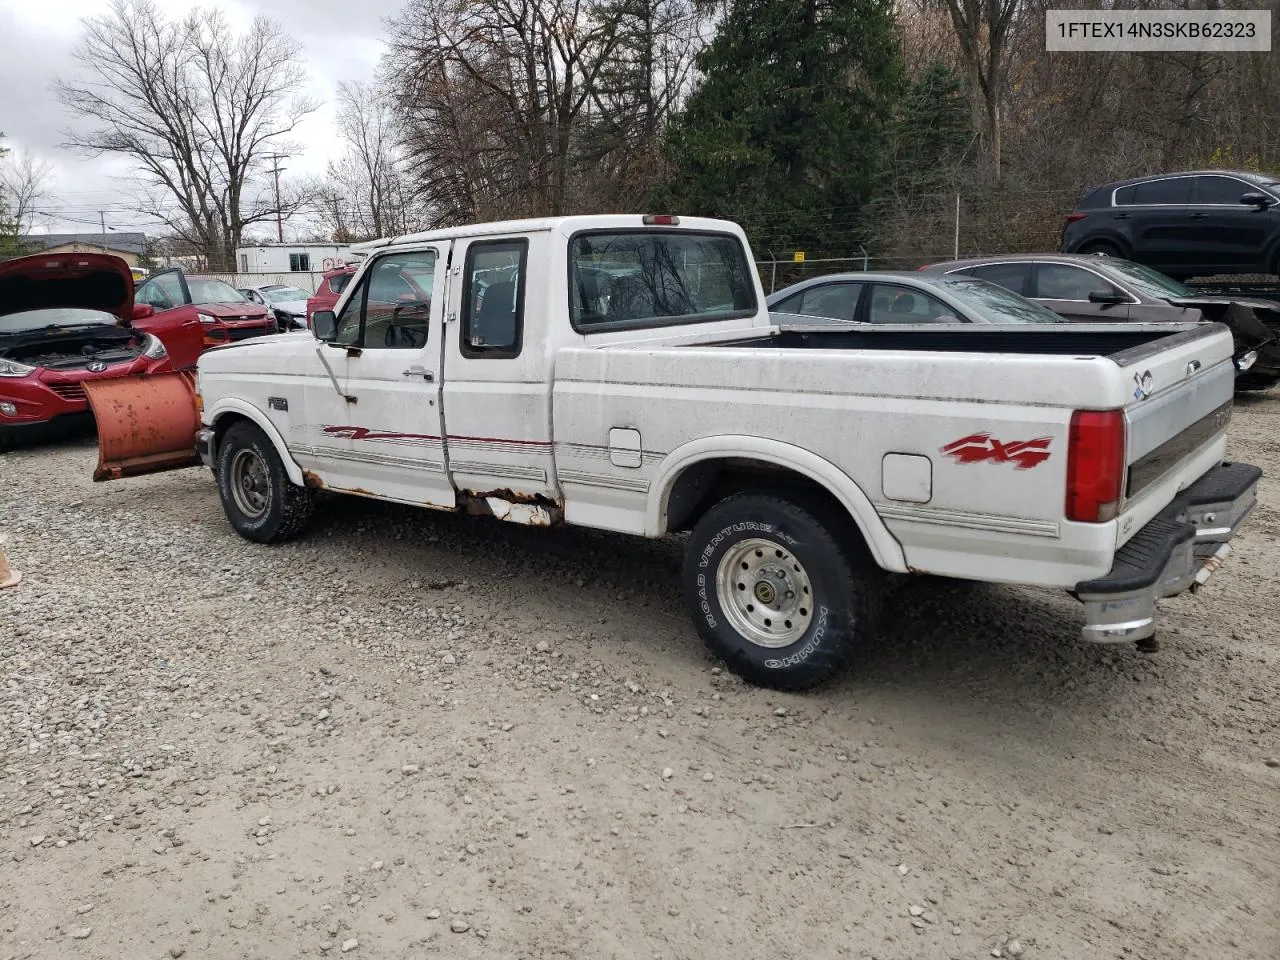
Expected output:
(66, 319)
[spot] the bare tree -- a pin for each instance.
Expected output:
(984, 30)
(368, 195)
(198, 107)
(24, 184)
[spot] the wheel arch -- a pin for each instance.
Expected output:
(1108, 236)
(689, 473)
(226, 412)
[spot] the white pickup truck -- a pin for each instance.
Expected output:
(623, 373)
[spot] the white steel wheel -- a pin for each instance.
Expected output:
(765, 593)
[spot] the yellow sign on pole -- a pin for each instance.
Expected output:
(798, 256)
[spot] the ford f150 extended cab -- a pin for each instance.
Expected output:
(623, 373)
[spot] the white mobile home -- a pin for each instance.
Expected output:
(292, 257)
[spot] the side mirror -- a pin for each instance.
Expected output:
(1108, 298)
(1259, 200)
(324, 324)
(141, 311)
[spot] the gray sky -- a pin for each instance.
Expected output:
(342, 40)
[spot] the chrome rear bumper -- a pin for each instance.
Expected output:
(1179, 550)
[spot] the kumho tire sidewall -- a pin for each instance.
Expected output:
(826, 646)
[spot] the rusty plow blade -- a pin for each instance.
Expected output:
(146, 424)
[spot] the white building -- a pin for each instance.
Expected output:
(292, 257)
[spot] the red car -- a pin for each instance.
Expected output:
(65, 319)
(331, 287)
(194, 313)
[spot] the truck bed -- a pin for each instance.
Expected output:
(1125, 345)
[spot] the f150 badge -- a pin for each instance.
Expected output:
(980, 447)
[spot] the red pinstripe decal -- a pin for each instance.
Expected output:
(368, 433)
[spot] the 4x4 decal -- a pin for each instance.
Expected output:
(980, 447)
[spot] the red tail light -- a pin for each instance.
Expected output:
(660, 220)
(1095, 465)
(1075, 217)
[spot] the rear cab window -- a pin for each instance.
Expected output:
(637, 279)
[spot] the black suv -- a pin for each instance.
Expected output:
(1183, 224)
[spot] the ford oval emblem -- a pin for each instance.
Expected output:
(1142, 385)
(96, 366)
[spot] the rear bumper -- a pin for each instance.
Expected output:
(1179, 550)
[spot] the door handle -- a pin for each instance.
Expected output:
(1198, 216)
(1121, 216)
(426, 375)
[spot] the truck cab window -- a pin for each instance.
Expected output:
(392, 307)
(493, 299)
(634, 280)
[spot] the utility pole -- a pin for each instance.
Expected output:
(276, 170)
(338, 229)
(102, 219)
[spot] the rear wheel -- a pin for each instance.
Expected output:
(257, 496)
(1102, 248)
(780, 589)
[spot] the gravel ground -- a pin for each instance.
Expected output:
(411, 734)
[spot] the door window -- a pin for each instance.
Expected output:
(894, 304)
(163, 292)
(1221, 190)
(1011, 276)
(392, 308)
(1171, 190)
(493, 299)
(1057, 281)
(1125, 195)
(836, 300)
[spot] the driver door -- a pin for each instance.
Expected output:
(175, 322)
(388, 441)
(1065, 290)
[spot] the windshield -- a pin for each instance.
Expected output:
(29, 320)
(211, 290)
(281, 294)
(1151, 283)
(995, 303)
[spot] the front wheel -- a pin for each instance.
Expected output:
(780, 590)
(257, 496)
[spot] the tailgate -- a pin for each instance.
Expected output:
(1176, 419)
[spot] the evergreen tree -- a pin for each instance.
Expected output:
(786, 131)
(931, 134)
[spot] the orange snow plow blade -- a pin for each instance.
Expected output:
(146, 424)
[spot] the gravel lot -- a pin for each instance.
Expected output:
(411, 735)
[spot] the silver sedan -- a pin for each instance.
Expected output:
(906, 298)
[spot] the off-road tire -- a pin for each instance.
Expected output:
(288, 507)
(844, 580)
